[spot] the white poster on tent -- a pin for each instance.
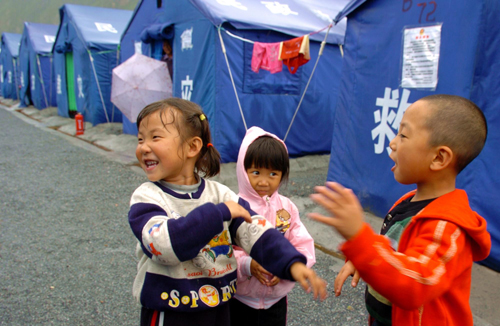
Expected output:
(421, 49)
(49, 38)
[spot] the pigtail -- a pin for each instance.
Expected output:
(209, 160)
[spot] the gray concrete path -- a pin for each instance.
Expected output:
(306, 172)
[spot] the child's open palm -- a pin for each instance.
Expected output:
(342, 203)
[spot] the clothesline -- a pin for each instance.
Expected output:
(327, 26)
(252, 42)
(234, 85)
(237, 37)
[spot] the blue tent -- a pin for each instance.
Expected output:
(380, 80)
(267, 100)
(85, 52)
(37, 77)
(9, 68)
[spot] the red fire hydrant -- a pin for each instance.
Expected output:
(80, 126)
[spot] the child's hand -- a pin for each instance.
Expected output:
(274, 281)
(343, 205)
(260, 273)
(308, 279)
(238, 211)
(347, 270)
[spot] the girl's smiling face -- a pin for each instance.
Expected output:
(160, 148)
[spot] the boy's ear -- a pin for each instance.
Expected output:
(443, 158)
(195, 145)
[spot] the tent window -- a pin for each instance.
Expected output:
(264, 82)
(158, 3)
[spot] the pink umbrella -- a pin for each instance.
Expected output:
(138, 82)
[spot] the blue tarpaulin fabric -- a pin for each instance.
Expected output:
(347, 9)
(9, 68)
(296, 17)
(37, 77)
(267, 100)
(93, 36)
(371, 99)
(157, 32)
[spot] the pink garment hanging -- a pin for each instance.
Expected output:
(266, 56)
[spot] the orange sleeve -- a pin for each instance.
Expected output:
(432, 257)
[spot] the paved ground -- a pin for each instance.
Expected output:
(107, 140)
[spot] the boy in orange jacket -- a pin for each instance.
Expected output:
(419, 270)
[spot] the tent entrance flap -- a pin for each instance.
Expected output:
(27, 97)
(70, 84)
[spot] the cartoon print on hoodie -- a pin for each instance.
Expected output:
(282, 220)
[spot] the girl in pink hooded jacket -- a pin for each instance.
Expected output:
(262, 167)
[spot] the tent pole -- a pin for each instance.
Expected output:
(231, 76)
(51, 76)
(98, 86)
(41, 79)
(308, 82)
(117, 62)
(15, 78)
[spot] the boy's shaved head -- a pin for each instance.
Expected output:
(457, 123)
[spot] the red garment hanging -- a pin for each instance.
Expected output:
(295, 53)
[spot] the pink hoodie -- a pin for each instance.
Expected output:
(250, 291)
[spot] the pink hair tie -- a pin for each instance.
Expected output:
(210, 145)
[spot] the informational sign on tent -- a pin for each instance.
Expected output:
(421, 49)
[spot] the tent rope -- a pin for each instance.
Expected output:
(41, 79)
(238, 37)
(98, 85)
(116, 64)
(51, 78)
(231, 76)
(250, 41)
(308, 82)
(14, 63)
